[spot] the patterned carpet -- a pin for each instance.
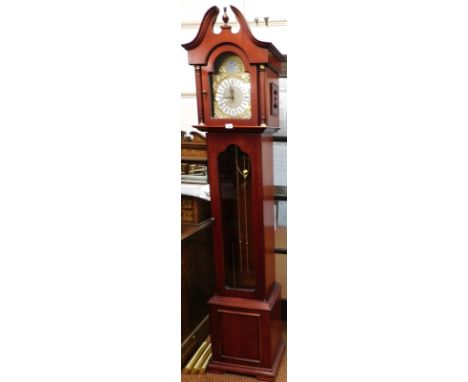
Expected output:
(209, 377)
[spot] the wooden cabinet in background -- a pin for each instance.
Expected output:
(197, 285)
(194, 210)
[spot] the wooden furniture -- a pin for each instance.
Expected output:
(194, 210)
(238, 107)
(197, 285)
(193, 147)
(194, 159)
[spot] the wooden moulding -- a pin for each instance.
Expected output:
(261, 373)
(254, 129)
(260, 51)
(244, 303)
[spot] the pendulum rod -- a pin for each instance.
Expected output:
(239, 233)
(233, 256)
(245, 172)
(245, 217)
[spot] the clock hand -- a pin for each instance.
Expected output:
(231, 92)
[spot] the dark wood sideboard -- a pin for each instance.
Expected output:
(197, 284)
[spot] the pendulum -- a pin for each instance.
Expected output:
(239, 233)
(242, 200)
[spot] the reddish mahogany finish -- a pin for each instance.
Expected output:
(258, 148)
(245, 324)
(246, 335)
(261, 59)
(208, 69)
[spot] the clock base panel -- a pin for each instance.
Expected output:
(261, 373)
(246, 335)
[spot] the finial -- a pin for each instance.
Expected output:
(225, 20)
(225, 16)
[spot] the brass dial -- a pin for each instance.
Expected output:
(231, 89)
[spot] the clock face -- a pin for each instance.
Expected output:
(232, 98)
(231, 90)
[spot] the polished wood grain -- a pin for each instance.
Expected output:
(267, 199)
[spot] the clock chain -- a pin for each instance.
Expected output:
(244, 173)
(238, 212)
(233, 254)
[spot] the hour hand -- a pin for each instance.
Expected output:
(231, 94)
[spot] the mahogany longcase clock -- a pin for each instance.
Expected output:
(236, 79)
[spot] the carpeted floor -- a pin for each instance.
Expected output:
(210, 377)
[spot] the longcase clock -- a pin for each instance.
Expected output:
(236, 79)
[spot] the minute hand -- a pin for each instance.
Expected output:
(231, 96)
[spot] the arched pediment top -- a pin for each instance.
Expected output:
(265, 45)
(206, 39)
(206, 26)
